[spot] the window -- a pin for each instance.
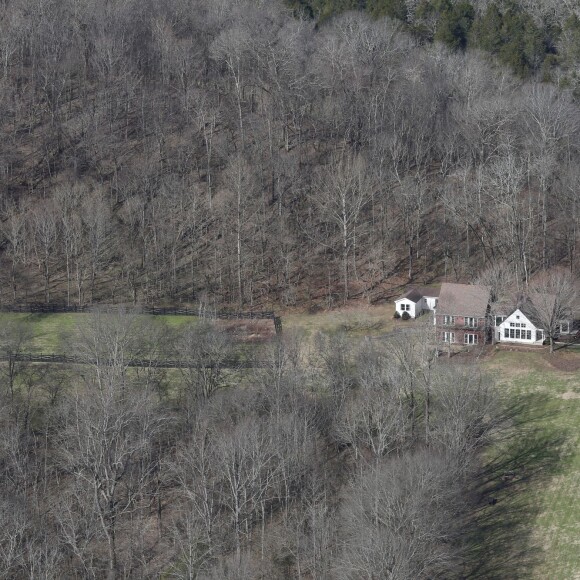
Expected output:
(470, 338)
(449, 337)
(512, 324)
(539, 335)
(517, 333)
(507, 333)
(436, 302)
(405, 307)
(499, 320)
(565, 327)
(528, 335)
(469, 321)
(448, 320)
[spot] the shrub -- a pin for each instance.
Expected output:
(406, 316)
(397, 314)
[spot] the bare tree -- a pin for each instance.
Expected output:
(466, 414)
(396, 521)
(553, 122)
(374, 418)
(106, 443)
(96, 218)
(553, 294)
(240, 184)
(15, 230)
(14, 529)
(205, 347)
(67, 201)
(414, 355)
(499, 277)
(249, 466)
(341, 193)
(197, 532)
(505, 178)
(44, 225)
(15, 339)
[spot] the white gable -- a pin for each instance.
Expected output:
(518, 317)
(519, 329)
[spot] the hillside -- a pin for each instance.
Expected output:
(233, 153)
(532, 37)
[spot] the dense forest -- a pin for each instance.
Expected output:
(359, 460)
(530, 36)
(250, 153)
(239, 152)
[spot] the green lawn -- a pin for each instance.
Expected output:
(529, 523)
(49, 330)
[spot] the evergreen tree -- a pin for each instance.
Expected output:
(454, 24)
(395, 9)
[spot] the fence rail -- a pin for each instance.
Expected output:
(42, 308)
(141, 363)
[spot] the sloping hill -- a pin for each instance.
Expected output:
(232, 153)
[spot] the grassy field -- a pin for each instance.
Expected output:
(529, 523)
(50, 330)
(354, 320)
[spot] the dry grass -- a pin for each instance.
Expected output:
(355, 319)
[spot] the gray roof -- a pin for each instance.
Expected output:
(415, 294)
(426, 291)
(463, 300)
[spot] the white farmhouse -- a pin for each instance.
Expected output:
(417, 301)
(520, 328)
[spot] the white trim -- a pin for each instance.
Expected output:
(517, 328)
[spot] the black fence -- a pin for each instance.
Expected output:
(141, 363)
(42, 308)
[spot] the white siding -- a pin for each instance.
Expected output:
(515, 328)
(430, 302)
(426, 304)
(405, 305)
